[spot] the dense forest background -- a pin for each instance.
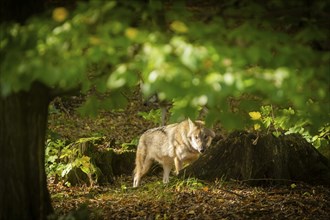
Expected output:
(80, 81)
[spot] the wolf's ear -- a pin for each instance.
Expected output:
(210, 133)
(191, 124)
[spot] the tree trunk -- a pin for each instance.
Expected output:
(23, 186)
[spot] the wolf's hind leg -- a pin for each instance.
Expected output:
(137, 179)
(146, 166)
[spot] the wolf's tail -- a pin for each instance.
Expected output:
(140, 158)
(142, 163)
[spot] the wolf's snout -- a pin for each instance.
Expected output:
(201, 150)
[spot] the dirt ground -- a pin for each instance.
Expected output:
(191, 199)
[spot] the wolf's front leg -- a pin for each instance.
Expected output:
(166, 176)
(178, 165)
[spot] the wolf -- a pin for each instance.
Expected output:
(174, 144)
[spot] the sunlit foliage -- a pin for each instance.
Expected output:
(235, 49)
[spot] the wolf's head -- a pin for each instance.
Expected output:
(199, 137)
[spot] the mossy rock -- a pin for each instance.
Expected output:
(77, 177)
(123, 162)
(262, 158)
(325, 151)
(104, 164)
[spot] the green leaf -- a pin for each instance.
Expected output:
(89, 107)
(117, 79)
(179, 27)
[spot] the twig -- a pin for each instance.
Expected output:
(231, 192)
(270, 179)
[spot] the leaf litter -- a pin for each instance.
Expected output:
(214, 200)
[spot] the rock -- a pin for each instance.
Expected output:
(262, 158)
(95, 163)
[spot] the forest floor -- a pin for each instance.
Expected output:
(180, 199)
(191, 199)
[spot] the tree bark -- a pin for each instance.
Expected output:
(23, 186)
